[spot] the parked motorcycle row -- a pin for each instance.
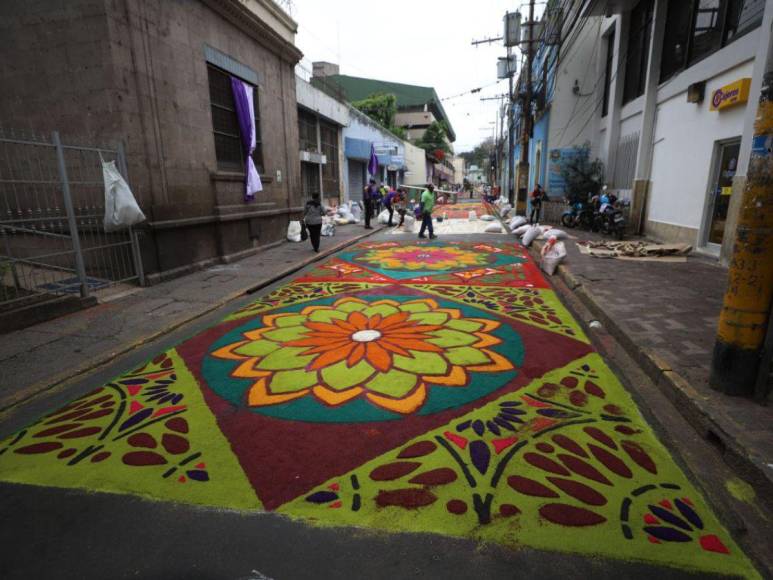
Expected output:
(601, 213)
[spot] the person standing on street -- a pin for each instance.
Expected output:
(389, 203)
(427, 205)
(369, 194)
(312, 217)
(536, 204)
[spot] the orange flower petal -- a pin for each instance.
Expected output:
(375, 321)
(345, 325)
(499, 363)
(356, 354)
(358, 320)
(325, 327)
(331, 357)
(394, 319)
(259, 396)
(405, 405)
(327, 347)
(227, 352)
(333, 398)
(416, 328)
(391, 347)
(456, 378)
(411, 344)
(378, 357)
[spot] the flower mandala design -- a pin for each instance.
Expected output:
(387, 351)
(415, 257)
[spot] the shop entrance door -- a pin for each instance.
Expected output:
(719, 195)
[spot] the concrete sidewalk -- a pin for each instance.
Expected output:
(665, 316)
(40, 357)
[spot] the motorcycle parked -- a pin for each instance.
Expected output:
(579, 214)
(609, 218)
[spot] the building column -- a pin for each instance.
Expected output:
(612, 134)
(739, 181)
(641, 182)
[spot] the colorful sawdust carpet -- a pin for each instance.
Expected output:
(434, 387)
(460, 210)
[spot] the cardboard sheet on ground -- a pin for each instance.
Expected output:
(426, 386)
(635, 251)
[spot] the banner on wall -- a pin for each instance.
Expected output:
(556, 184)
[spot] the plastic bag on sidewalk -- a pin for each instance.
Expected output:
(487, 218)
(493, 228)
(294, 231)
(531, 235)
(328, 228)
(383, 217)
(356, 211)
(121, 209)
(521, 230)
(555, 233)
(517, 221)
(409, 223)
(553, 253)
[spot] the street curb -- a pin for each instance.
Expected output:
(39, 388)
(692, 405)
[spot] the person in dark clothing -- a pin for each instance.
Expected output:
(369, 195)
(312, 217)
(536, 203)
(389, 201)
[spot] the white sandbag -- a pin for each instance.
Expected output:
(555, 233)
(553, 253)
(493, 228)
(531, 235)
(121, 209)
(356, 212)
(409, 223)
(472, 216)
(487, 218)
(383, 217)
(294, 231)
(517, 221)
(520, 230)
(506, 212)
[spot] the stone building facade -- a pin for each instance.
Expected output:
(152, 74)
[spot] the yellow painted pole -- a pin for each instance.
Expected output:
(747, 303)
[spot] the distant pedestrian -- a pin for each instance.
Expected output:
(389, 203)
(536, 204)
(369, 196)
(427, 205)
(312, 217)
(399, 203)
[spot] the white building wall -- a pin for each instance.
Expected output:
(574, 119)
(321, 103)
(685, 136)
(417, 168)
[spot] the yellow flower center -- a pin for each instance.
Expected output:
(366, 335)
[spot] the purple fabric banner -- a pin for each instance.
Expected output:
(373, 163)
(243, 100)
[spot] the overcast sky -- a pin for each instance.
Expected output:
(419, 42)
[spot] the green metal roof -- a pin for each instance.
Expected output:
(358, 88)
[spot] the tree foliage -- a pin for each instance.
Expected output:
(583, 176)
(382, 108)
(481, 154)
(434, 138)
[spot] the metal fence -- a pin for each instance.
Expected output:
(52, 239)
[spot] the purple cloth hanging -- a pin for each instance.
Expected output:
(373, 163)
(243, 100)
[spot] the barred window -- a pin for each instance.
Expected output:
(329, 138)
(225, 125)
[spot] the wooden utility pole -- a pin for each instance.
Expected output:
(747, 305)
(523, 165)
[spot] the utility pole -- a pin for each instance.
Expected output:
(523, 165)
(738, 366)
(510, 145)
